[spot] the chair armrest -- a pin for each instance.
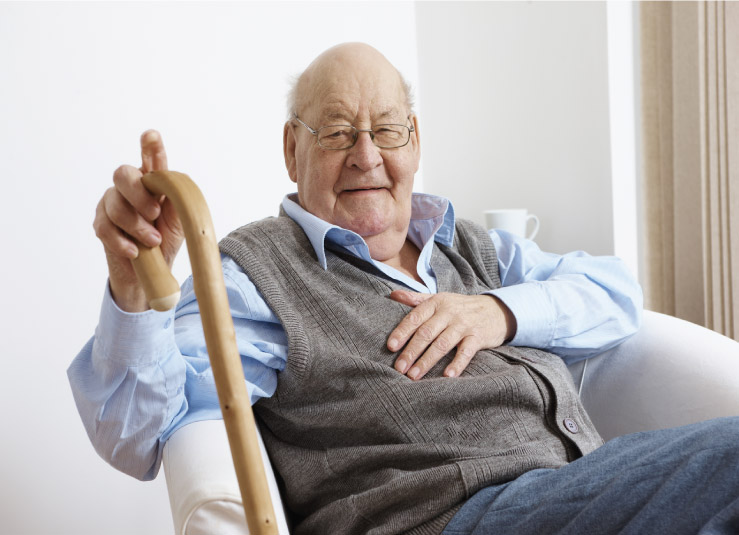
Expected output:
(670, 373)
(201, 481)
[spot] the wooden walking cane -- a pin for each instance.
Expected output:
(162, 292)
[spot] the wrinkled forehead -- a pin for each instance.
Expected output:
(356, 97)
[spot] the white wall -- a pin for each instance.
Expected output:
(78, 84)
(516, 111)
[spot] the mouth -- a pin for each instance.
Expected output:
(362, 190)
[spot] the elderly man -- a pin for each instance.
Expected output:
(390, 347)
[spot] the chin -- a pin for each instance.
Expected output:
(368, 226)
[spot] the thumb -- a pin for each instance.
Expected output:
(409, 298)
(153, 154)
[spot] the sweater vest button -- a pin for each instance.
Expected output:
(571, 425)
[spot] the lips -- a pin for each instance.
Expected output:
(363, 189)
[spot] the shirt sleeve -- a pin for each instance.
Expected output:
(574, 305)
(143, 376)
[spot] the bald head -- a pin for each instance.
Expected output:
(343, 68)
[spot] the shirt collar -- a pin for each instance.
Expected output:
(432, 217)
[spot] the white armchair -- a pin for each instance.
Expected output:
(670, 373)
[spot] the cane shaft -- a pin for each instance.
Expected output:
(220, 337)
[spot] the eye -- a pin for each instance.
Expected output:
(389, 132)
(337, 134)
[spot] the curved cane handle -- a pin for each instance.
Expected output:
(220, 338)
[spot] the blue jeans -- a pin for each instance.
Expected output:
(672, 481)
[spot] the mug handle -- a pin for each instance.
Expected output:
(536, 226)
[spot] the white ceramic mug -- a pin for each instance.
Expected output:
(513, 220)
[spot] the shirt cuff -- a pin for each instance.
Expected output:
(133, 339)
(535, 315)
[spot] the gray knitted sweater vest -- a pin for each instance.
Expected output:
(361, 448)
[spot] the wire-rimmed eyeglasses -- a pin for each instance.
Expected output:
(344, 136)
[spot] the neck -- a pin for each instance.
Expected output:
(406, 261)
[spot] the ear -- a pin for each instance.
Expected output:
(288, 148)
(416, 140)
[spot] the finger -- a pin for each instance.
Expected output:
(438, 349)
(125, 217)
(153, 155)
(114, 240)
(424, 336)
(466, 350)
(411, 299)
(409, 324)
(127, 180)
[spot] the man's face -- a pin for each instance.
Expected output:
(365, 189)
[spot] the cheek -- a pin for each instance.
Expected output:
(317, 179)
(402, 170)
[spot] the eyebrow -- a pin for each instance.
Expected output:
(338, 115)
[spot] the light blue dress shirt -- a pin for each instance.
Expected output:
(145, 375)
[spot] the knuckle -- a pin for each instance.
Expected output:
(444, 297)
(443, 343)
(414, 317)
(425, 332)
(140, 229)
(115, 212)
(426, 361)
(407, 356)
(124, 175)
(97, 226)
(120, 174)
(465, 354)
(101, 222)
(98, 211)
(109, 238)
(455, 331)
(468, 348)
(436, 302)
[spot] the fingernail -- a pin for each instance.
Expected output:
(155, 238)
(451, 372)
(415, 372)
(133, 251)
(401, 366)
(392, 344)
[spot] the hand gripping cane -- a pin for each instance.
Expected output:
(162, 293)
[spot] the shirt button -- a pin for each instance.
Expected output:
(571, 425)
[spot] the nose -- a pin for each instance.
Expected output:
(364, 155)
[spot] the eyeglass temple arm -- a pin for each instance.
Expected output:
(220, 339)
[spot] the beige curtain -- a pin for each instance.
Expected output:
(690, 110)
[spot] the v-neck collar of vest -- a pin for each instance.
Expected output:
(431, 217)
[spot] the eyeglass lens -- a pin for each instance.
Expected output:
(344, 136)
